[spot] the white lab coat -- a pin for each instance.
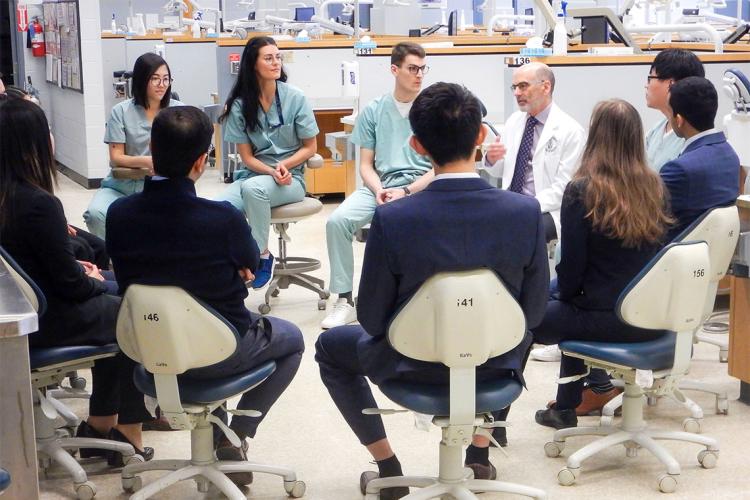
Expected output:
(556, 157)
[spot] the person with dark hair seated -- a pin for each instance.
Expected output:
(707, 172)
(614, 220)
(669, 66)
(508, 238)
(80, 309)
(167, 235)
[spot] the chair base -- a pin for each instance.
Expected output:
(204, 469)
(454, 480)
(633, 434)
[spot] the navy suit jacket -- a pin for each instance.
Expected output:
(166, 235)
(704, 176)
(453, 225)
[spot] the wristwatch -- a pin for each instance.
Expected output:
(406, 191)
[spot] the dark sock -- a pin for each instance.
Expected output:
(390, 467)
(476, 455)
(601, 388)
(348, 297)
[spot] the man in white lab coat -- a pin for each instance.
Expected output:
(540, 146)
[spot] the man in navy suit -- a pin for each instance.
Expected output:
(458, 222)
(707, 172)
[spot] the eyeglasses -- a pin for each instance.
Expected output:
(156, 81)
(654, 77)
(269, 59)
(413, 69)
(524, 86)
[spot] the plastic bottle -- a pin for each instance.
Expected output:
(560, 42)
(114, 24)
(196, 29)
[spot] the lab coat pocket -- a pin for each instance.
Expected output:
(285, 137)
(551, 165)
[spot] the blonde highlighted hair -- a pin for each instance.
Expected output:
(624, 198)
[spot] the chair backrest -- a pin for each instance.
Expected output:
(669, 295)
(169, 332)
(720, 228)
(30, 289)
(460, 319)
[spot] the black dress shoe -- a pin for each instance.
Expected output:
(500, 435)
(225, 451)
(114, 458)
(385, 493)
(482, 471)
(86, 431)
(559, 419)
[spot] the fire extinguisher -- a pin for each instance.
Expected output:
(37, 38)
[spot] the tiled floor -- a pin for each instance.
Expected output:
(305, 431)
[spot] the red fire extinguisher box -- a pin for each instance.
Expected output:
(36, 32)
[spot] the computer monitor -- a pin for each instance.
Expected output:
(335, 11)
(453, 23)
(304, 14)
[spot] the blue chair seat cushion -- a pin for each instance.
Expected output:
(432, 399)
(205, 391)
(41, 357)
(4, 480)
(650, 355)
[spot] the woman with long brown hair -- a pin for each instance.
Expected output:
(613, 221)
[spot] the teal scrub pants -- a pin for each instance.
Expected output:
(95, 215)
(255, 196)
(354, 213)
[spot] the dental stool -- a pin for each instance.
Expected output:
(294, 270)
(459, 319)
(169, 332)
(665, 296)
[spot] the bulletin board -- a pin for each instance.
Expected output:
(62, 37)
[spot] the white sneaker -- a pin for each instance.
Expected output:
(546, 353)
(343, 313)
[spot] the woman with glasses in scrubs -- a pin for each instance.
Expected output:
(274, 128)
(128, 135)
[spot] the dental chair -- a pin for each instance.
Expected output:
(459, 319)
(169, 332)
(665, 296)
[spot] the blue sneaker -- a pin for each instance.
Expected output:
(264, 273)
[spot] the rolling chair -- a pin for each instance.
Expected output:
(458, 319)
(49, 366)
(664, 296)
(294, 270)
(4, 480)
(720, 228)
(169, 332)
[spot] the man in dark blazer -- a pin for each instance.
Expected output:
(167, 235)
(458, 222)
(707, 172)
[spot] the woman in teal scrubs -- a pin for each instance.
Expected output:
(128, 134)
(274, 128)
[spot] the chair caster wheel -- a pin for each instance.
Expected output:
(134, 459)
(691, 425)
(606, 421)
(322, 304)
(264, 308)
(722, 406)
(567, 477)
(708, 459)
(651, 400)
(132, 484)
(723, 356)
(295, 489)
(78, 383)
(667, 483)
(553, 449)
(85, 491)
(275, 293)
(326, 294)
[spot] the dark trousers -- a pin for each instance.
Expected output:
(90, 248)
(565, 321)
(344, 377)
(93, 323)
(272, 340)
(550, 231)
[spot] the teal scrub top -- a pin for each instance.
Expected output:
(381, 128)
(129, 125)
(661, 148)
(274, 141)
